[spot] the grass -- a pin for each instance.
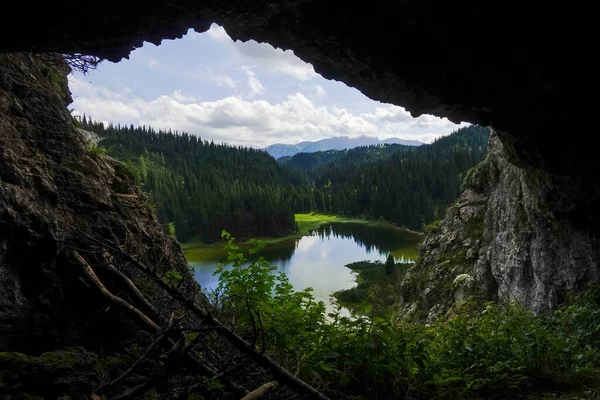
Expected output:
(195, 250)
(309, 222)
(205, 253)
(100, 151)
(172, 228)
(306, 224)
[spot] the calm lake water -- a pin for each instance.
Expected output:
(319, 260)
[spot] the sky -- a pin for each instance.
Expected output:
(244, 93)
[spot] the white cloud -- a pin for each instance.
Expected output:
(222, 80)
(267, 56)
(314, 92)
(153, 64)
(112, 103)
(251, 122)
(389, 113)
(319, 92)
(217, 32)
(182, 98)
(256, 88)
(194, 35)
(277, 60)
(394, 120)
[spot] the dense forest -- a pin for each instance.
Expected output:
(201, 188)
(410, 186)
(317, 161)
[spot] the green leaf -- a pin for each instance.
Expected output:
(325, 367)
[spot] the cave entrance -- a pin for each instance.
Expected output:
(242, 93)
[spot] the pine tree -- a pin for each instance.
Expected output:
(390, 265)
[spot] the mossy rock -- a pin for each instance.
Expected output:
(122, 171)
(13, 360)
(432, 227)
(475, 225)
(61, 359)
(54, 360)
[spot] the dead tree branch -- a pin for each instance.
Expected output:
(238, 342)
(147, 324)
(127, 308)
(82, 62)
(139, 297)
(260, 391)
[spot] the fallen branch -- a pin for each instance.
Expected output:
(139, 297)
(238, 342)
(146, 323)
(130, 310)
(260, 391)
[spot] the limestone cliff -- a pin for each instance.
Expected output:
(54, 193)
(513, 232)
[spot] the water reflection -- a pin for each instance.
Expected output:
(319, 260)
(384, 240)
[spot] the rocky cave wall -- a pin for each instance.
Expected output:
(53, 192)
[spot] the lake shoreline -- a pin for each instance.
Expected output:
(371, 277)
(320, 260)
(307, 223)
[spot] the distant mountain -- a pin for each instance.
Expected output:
(310, 162)
(336, 143)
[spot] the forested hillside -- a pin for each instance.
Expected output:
(203, 187)
(313, 163)
(410, 186)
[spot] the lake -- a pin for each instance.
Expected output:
(318, 260)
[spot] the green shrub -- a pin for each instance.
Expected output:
(97, 150)
(432, 227)
(479, 350)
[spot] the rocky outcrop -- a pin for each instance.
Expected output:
(512, 236)
(55, 195)
(91, 138)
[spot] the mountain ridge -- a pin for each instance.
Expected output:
(278, 150)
